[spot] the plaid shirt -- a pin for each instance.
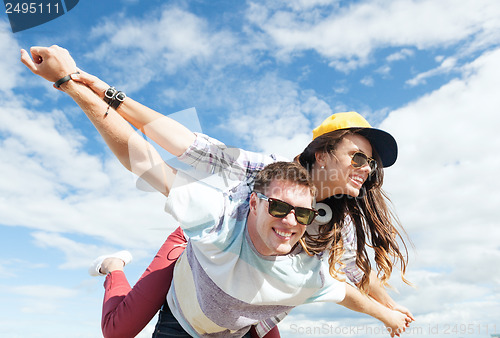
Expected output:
(211, 156)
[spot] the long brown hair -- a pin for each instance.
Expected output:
(375, 224)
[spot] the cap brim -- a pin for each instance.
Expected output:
(385, 145)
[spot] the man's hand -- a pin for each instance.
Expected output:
(51, 63)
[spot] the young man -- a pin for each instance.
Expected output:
(242, 264)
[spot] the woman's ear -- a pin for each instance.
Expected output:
(320, 159)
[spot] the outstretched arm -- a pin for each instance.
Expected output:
(131, 149)
(168, 133)
(375, 287)
(377, 291)
(395, 321)
(203, 153)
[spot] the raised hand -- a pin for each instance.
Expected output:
(51, 63)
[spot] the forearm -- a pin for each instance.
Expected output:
(206, 155)
(356, 301)
(166, 132)
(55, 64)
(377, 291)
(396, 322)
(114, 130)
(129, 147)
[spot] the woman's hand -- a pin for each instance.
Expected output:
(93, 82)
(396, 322)
(403, 310)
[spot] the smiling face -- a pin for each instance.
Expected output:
(273, 236)
(338, 175)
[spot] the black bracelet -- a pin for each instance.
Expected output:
(118, 99)
(65, 79)
(114, 97)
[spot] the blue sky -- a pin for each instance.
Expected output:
(261, 75)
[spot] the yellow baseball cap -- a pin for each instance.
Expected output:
(384, 144)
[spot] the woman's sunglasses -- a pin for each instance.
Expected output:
(280, 209)
(359, 160)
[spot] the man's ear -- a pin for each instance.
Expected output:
(253, 202)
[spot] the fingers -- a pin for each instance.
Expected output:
(97, 85)
(409, 316)
(408, 313)
(38, 53)
(83, 77)
(404, 310)
(37, 56)
(51, 63)
(28, 62)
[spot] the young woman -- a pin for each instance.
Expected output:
(345, 160)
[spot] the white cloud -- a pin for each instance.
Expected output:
(44, 291)
(274, 116)
(173, 39)
(401, 55)
(50, 183)
(10, 67)
(161, 44)
(446, 139)
(46, 299)
(383, 70)
(342, 89)
(298, 5)
(444, 200)
(10, 268)
(367, 81)
(447, 65)
(52, 311)
(78, 255)
(5, 271)
(349, 35)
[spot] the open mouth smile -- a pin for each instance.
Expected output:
(283, 234)
(358, 180)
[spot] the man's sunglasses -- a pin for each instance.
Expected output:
(280, 209)
(359, 160)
